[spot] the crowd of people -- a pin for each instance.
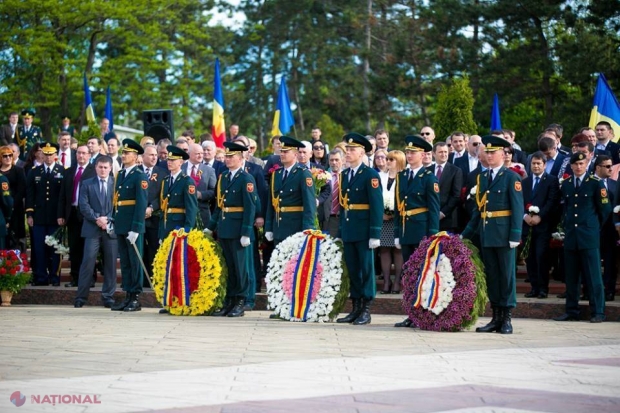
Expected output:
(120, 199)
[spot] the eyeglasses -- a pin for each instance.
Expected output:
(606, 166)
(7, 156)
(318, 148)
(425, 133)
(252, 147)
(475, 143)
(508, 152)
(449, 145)
(379, 157)
(390, 159)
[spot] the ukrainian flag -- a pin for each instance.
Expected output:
(606, 107)
(283, 118)
(108, 109)
(218, 128)
(88, 102)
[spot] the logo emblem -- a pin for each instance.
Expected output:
(5, 186)
(375, 183)
(603, 191)
(145, 185)
(436, 187)
(309, 181)
(191, 189)
(518, 186)
(18, 398)
(250, 187)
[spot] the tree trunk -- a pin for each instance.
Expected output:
(366, 65)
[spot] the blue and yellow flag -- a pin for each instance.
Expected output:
(88, 102)
(283, 118)
(108, 109)
(605, 107)
(496, 123)
(218, 128)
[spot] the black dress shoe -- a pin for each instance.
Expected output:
(531, 294)
(566, 317)
(134, 305)
(57, 284)
(610, 297)
(121, 306)
(405, 323)
(563, 295)
(78, 304)
(584, 297)
(384, 292)
(542, 294)
(222, 312)
(164, 311)
(71, 284)
(597, 319)
(237, 310)
(108, 303)
(274, 316)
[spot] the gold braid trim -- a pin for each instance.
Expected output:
(115, 197)
(275, 200)
(400, 205)
(343, 201)
(481, 202)
(163, 202)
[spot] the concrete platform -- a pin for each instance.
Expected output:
(150, 362)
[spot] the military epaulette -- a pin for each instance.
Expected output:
(596, 178)
(428, 172)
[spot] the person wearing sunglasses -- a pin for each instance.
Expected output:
(16, 234)
(319, 154)
(469, 161)
(428, 134)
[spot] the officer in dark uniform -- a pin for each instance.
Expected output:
(27, 134)
(361, 218)
(130, 202)
(417, 199)
(177, 198)
(66, 126)
(416, 204)
(292, 204)
(499, 201)
(234, 218)
(586, 207)
(6, 208)
(43, 187)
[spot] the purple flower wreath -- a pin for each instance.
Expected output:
(469, 296)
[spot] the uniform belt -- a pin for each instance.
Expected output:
(291, 209)
(232, 209)
(358, 207)
(415, 211)
(496, 214)
(125, 202)
(175, 210)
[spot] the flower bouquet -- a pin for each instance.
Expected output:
(532, 210)
(189, 273)
(307, 279)
(14, 272)
(320, 178)
(388, 205)
(59, 240)
(444, 284)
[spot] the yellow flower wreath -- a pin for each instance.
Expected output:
(212, 283)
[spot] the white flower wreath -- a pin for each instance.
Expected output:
(446, 285)
(330, 264)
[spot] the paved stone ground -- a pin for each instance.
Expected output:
(150, 362)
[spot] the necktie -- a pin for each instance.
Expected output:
(439, 172)
(285, 175)
(410, 175)
(148, 173)
(351, 174)
(335, 192)
(577, 183)
(490, 176)
(76, 182)
(536, 182)
(62, 159)
(102, 189)
(195, 176)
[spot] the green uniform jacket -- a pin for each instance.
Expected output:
(584, 211)
(26, 141)
(182, 195)
(504, 194)
(363, 189)
(296, 191)
(420, 192)
(130, 187)
(236, 192)
(6, 204)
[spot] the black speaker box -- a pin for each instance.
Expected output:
(158, 124)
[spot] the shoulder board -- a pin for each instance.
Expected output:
(428, 172)
(596, 178)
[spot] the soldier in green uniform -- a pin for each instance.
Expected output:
(361, 217)
(416, 202)
(586, 207)
(177, 199)
(499, 215)
(130, 202)
(27, 134)
(6, 208)
(66, 126)
(234, 219)
(292, 204)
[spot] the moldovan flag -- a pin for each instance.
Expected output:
(605, 107)
(88, 102)
(496, 123)
(283, 118)
(218, 129)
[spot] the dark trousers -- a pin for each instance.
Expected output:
(537, 262)
(131, 270)
(237, 258)
(48, 262)
(151, 244)
(360, 263)
(499, 265)
(587, 262)
(407, 250)
(76, 245)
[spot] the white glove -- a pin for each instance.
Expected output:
(245, 241)
(397, 243)
(460, 236)
(513, 244)
(269, 236)
(373, 243)
(337, 240)
(207, 231)
(132, 237)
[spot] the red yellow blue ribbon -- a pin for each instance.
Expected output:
(305, 271)
(432, 257)
(176, 283)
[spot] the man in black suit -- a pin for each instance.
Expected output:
(66, 157)
(450, 180)
(459, 147)
(155, 176)
(604, 136)
(540, 190)
(68, 210)
(96, 207)
(554, 160)
(162, 153)
(7, 133)
(469, 161)
(94, 147)
(609, 236)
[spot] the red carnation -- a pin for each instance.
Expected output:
(274, 168)
(527, 207)
(2, 271)
(565, 176)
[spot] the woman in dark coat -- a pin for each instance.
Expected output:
(16, 233)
